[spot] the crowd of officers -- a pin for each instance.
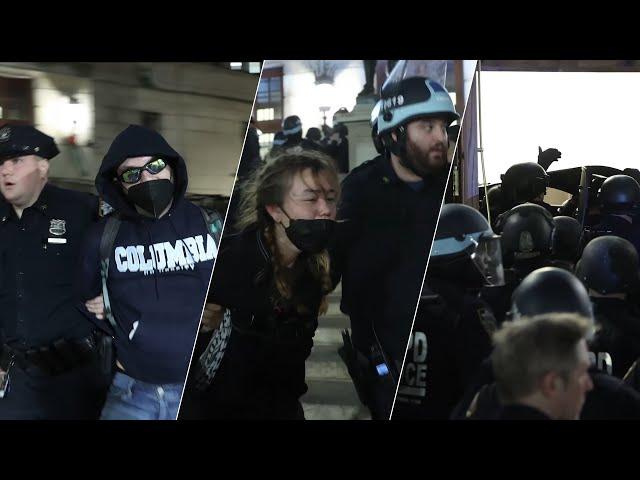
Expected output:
(332, 141)
(512, 307)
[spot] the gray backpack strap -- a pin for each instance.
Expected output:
(106, 247)
(214, 224)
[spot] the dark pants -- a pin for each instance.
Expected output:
(76, 395)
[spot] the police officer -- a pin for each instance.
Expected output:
(567, 242)
(552, 290)
(495, 203)
(388, 211)
(337, 147)
(49, 357)
(618, 196)
(277, 146)
(609, 269)
(314, 135)
(526, 234)
(453, 326)
(525, 182)
(292, 130)
(546, 290)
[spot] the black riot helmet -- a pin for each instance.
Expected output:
(464, 239)
(550, 290)
(292, 127)
(609, 265)
(523, 182)
(495, 201)
(619, 194)
(314, 134)
(567, 239)
(526, 232)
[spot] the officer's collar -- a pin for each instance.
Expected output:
(389, 174)
(41, 205)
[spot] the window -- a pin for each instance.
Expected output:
(16, 101)
(264, 114)
(269, 101)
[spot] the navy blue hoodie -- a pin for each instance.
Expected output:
(159, 269)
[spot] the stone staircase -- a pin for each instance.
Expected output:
(331, 394)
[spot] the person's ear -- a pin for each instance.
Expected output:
(551, 384)
(394, 136)
(43, 168)
(277, 214)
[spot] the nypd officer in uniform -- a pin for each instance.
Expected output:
(452, 331)
(292, 130)
(388, 213)
(49, 366)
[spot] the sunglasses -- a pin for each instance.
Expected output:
(133, 175)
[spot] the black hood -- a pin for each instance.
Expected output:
(137, 141)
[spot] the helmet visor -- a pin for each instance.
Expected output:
(487, 258)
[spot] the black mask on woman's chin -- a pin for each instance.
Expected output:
(310, 236)
(152, 196)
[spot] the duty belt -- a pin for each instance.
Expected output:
(57, 358)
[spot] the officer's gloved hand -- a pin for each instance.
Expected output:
(546, 158)
(96, 306)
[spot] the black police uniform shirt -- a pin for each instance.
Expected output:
(616, 343)
(38, 256)
(159, 269)
(262, 372)
(450, 339)
(381, 251)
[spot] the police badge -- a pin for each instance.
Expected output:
(5, 133)
(57, 227)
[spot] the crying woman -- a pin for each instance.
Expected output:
(271, 281)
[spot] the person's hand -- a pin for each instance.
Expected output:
(546, 158)
(96, 306)
(211, 317)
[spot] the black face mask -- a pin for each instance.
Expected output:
(152, 196)
(310, 236)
